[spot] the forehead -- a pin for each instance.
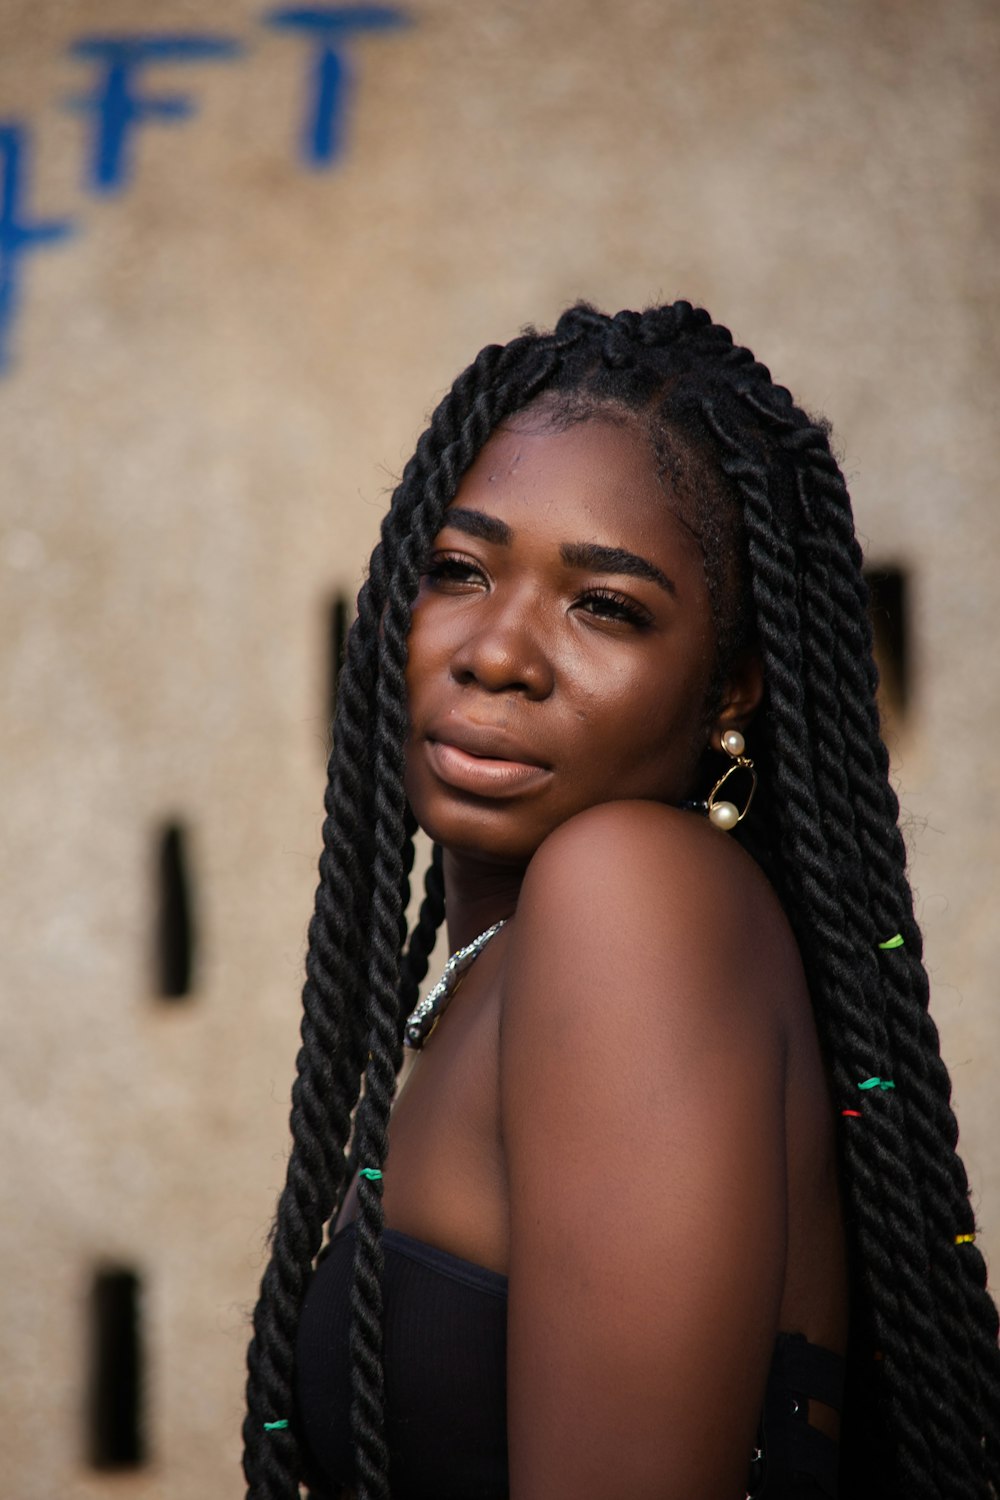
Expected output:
(593, 481)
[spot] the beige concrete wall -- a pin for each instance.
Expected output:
(211, 388)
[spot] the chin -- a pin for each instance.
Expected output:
(480, 833)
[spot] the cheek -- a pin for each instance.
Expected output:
(662, 732)
(419, 658)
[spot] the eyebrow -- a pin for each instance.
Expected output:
(474, 523)
(615, 560)
(589, 555)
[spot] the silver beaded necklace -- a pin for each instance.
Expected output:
(433, 1006)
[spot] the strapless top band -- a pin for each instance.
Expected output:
(444, 1357)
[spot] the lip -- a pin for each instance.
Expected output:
(484, 761)
(485, 741)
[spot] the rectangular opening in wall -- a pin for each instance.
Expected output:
(889, 590)
(337, 644)
(116, 1439)
(175, 927)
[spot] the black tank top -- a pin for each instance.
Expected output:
(444, 1356)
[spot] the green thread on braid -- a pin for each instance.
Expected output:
(372, 1173)
(896, 941)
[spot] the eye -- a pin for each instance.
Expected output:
(607, 604)
(450, 571)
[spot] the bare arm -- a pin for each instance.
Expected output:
(642, 1097)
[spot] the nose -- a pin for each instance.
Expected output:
(506, 652)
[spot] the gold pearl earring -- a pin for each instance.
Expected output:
(724, 814)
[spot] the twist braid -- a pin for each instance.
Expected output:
(882, 1198)
(837, 765)
(964, 1309)
(380, 1075)
(423, 936)
(325, 1089)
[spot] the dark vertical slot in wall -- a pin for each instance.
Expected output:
(116, 1439)
(175, 934)
(337, 645)
(890, 611)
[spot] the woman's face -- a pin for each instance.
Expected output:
(562, 643)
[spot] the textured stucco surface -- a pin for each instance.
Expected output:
(211, 388)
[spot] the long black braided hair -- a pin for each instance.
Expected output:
(784, 571)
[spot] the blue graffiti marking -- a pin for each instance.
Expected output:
(116, 105)
(17, 236)
(329, 26)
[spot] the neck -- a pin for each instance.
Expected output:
(477, 894)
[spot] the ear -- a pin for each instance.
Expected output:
(741, 695)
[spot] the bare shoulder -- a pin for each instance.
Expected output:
(646, 840)
(655, 900)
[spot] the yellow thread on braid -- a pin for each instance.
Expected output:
(964, 1239)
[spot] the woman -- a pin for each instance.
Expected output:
(683, 1141)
